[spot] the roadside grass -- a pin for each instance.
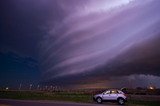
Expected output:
(57, 96)
(65, 96)
(143, 103)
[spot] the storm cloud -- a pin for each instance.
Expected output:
(102, 40)
(85, 43)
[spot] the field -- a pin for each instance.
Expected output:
(133, 100)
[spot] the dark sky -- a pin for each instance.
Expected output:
(80, 43)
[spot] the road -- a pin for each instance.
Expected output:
(9, 102)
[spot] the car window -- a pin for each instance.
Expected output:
(107, 92)
(114, 92)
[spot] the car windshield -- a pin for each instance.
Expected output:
(120, 92)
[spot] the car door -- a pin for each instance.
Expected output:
(106, 95)
(113, 94)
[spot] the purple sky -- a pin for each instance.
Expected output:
(95, 33)
(84, 43)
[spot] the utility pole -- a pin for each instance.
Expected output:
(37, 87)
(30, 86)
(51, 87)
(20, 85)
(46, 88)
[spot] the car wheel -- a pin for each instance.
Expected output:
(99, 100)
(121, 101)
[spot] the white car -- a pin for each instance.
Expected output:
(111, 95)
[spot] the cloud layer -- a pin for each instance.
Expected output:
(102, 39)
